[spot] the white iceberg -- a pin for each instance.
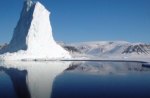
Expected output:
(32, 38)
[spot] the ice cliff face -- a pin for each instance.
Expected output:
(32, 38)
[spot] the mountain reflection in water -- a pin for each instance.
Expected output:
(75, 80)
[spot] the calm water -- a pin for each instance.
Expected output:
(74, 80)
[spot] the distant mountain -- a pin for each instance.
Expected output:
(108, 49)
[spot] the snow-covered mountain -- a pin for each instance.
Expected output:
(32, 38)
(109, 49)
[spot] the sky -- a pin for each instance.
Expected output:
(86, 20)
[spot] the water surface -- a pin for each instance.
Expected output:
(86, 79)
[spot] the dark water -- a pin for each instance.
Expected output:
(74, 80)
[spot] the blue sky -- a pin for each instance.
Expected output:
(86, 20)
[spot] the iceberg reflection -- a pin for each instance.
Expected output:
(37, 77)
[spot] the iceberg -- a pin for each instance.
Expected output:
(32, 38)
